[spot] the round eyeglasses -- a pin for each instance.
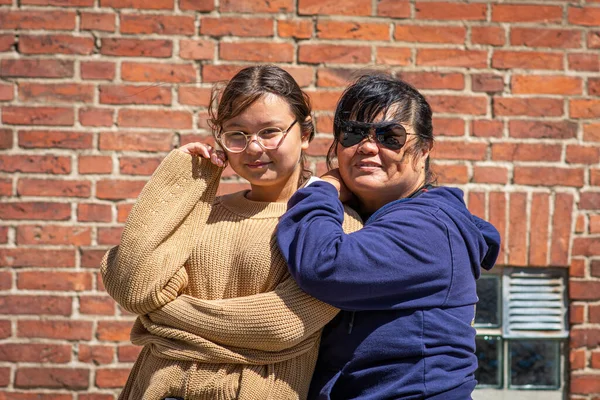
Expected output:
(268, 138)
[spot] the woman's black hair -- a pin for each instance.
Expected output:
(376, 94)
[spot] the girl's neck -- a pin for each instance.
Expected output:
(277, 192)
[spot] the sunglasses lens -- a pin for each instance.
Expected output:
(391, 137)
(352, 135)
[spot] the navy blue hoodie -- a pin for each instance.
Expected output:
(406, 283)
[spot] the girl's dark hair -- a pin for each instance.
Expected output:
(231, 99)
(377, 94)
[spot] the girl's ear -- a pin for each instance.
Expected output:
(306, 135)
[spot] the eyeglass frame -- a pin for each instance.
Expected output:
(248, 135)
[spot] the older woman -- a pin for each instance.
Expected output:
(406, 281)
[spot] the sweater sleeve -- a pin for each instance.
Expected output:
(270, 321)
(401, 259)
(146, 270)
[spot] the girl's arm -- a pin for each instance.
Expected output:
(146, 270)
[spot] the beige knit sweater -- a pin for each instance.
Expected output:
(219, 315)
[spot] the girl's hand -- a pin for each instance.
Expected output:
(217, 157)
(336, 180)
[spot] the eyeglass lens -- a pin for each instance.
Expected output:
(390, 136)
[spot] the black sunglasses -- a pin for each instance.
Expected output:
(388, 134)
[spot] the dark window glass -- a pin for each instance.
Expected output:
(488, 351)
(487, 312)
(534, 363)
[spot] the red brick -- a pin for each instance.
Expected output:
(56, 44)
(4, 377)
(452, 58)
(6, 138)
(56, 116)
(483, 174)
(35, 210)
(104, 22)
(324, 100)
(538, 231)
(95, 164)
(299, 29)
(254, 51)
(27, 257)
(155, 119)
(123, 210)
(594, 224)
(458, 104)
(35, 164)
(488, 83)
(594, 86)
(580, 224)
(595, 361)
(582, 154)
(335, 77)
(7, 42)
(393, 8)
(109, 236)
(584, 108)
(96, 396)
(585, 384)
(490, 35)
(453, 150)
(543, 129)
(553, 38)
(111, 378)
(548, 176)
(476, 202)
(6, 279)
(96, 305)
(517, 229)
(448, 126)
(586, 16)
(118, 189)
(332, 7)
(328, 29)
(160, 24)
(591, 132)
(154, 72)
(256, 6)
(128, 353)
(430, 34)
(4, 234)
(138, 165)
(450, 11)
(234, 26)
(96, 354)
(53, 188)
(91, 258)
(197, 5)
(53, 235)
(532, 107)
(98, 70)
(52, 378)
(451, 174)
(329, 53)
(593, 40)
(394, 55)
(7, 92)
(535, 84)
(561, 227)
(5, 329)
(577, 359)
(128, 94)
(497, 216)
(136, 141)
(37, 68)
(586, 246)
(35, 353)
(506, 59)
(48, 329)
(136, 48)
(589, 201)
(63, 3)
(579, 290)
(140, 4)
(194, 96)
(95, 117)
(526, 13)
(576, 314)
(594, 319)
(113, 331)
(584, 62)
(526, 152)
(36, 305)
(55, 139)
(29, 19)
(94, 212)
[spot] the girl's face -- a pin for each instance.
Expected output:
(273, 174)
(378, 175)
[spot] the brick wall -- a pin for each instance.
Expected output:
(93, 93)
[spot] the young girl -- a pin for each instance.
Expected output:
(219, 315)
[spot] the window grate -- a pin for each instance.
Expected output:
(535, 304)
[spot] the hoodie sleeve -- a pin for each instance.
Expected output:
(402, 259)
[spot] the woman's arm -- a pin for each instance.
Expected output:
(146, 270)
(401, 260)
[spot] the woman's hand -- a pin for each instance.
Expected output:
(336, 180)
(217, 157)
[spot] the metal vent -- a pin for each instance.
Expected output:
(534, 304)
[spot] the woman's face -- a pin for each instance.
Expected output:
(378, 175)
(273, 174)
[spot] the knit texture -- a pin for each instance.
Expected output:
(219, 315)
